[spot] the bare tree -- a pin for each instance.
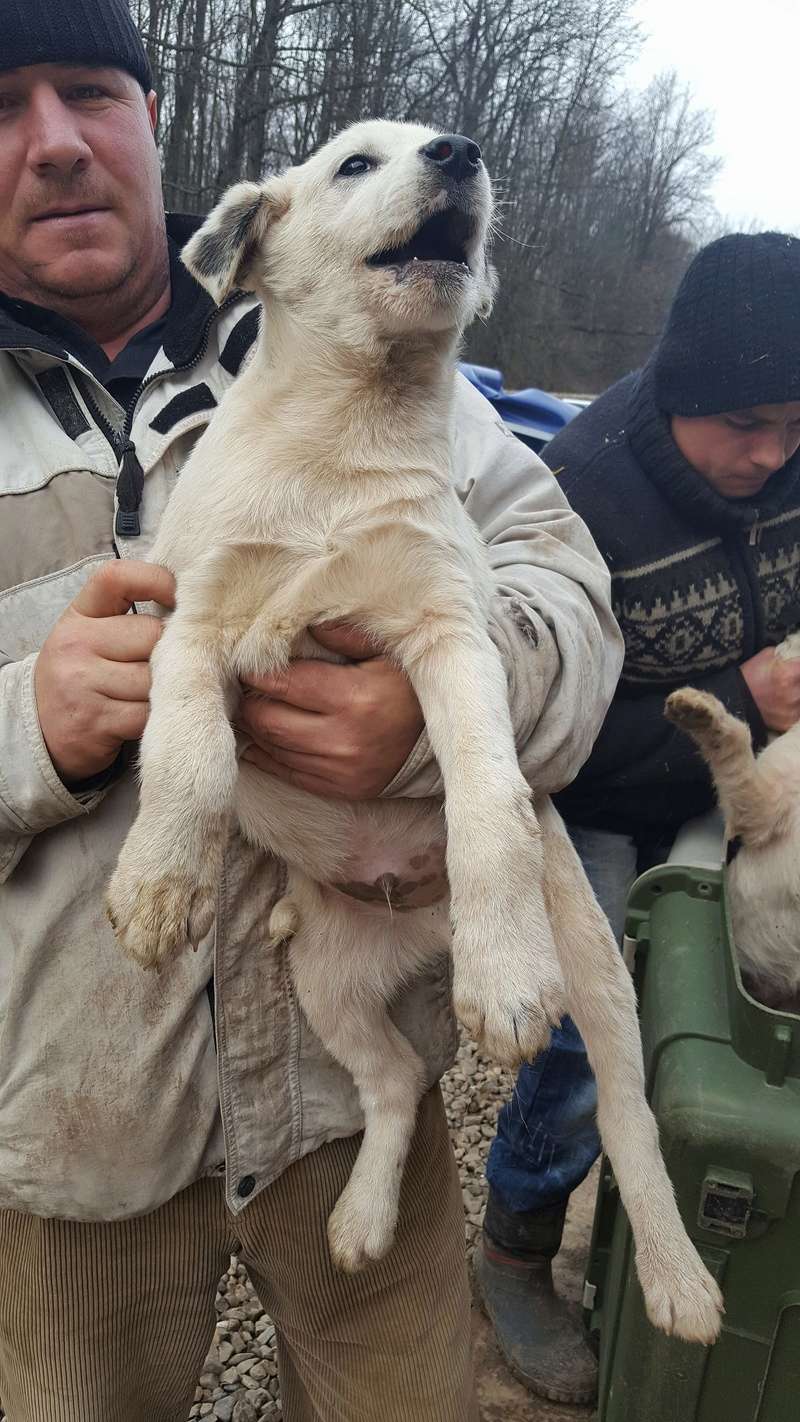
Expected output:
(601, 193)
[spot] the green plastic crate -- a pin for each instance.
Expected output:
(723, 1079)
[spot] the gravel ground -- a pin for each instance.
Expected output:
(239, 1382)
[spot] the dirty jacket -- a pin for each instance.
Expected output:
(117, 1089)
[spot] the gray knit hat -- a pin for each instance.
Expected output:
(732, 338)
(98, 32)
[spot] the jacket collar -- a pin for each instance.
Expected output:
(28, 327)
(651, 440)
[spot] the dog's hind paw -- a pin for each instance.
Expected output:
(693, 710)
(360, 1230)
(683, 1299)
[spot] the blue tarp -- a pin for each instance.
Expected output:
(532, 414)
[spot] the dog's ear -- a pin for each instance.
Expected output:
(220, 255)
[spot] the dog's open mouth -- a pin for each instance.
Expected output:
(442, 238)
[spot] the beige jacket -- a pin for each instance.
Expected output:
(114, 1093)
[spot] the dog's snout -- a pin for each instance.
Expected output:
(454, 155)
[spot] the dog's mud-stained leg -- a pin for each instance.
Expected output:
(680, 1295)
(752, 797)
(507, 985)
(162, 895)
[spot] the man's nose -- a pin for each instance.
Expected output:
(55, 143)
(769, 450)
(454, 155)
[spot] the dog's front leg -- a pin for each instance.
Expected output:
(507, 986)
(163, 892)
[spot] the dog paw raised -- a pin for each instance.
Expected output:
(682, 1299)
(153, 918)
(692, 710)
(361, 1229)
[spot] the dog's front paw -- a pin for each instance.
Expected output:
(154, 917)
(511, 1022)
(693, 710)
(361, 1229)
(681, 1297)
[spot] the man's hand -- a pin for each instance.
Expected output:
(775, 687)
(339, 731)
(92, 677)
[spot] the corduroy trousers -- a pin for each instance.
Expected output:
(112, 1322)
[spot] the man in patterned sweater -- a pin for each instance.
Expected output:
(688, 475)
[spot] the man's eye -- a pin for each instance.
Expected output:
(743, 424)
(357, 164)
(87, 91)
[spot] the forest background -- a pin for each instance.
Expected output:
(603, 190)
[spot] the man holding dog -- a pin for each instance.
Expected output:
(687, 473)
(150, 1126)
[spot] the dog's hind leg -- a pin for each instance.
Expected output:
(346, 965)
(680, 1295)
(752, 798)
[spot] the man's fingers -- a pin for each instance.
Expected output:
(284, 725)
(118, 584)
(301, 779)
(127, 719)
(311, 685)
(126, 639)
(347, 640)
(123, 681)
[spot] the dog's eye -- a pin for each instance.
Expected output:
(357, 164)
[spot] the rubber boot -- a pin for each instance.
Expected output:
(541, 1337)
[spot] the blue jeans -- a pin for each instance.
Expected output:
(547, 1139)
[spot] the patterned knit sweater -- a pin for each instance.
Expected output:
(700, 584)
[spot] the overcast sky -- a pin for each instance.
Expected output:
(742, 62)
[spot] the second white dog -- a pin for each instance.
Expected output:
(322, 490)
(760, 799)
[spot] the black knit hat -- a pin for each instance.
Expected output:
(98, 32)
(732, 338)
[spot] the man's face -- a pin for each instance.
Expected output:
(80, 186)
(737, 452)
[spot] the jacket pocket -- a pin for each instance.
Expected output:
(29, 611)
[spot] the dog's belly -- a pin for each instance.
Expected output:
(394, 876)
(386, 854)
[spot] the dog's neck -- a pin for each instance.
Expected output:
(343, 403)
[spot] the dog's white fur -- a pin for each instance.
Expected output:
(322, 490)
(760, 799)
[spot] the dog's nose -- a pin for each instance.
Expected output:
(454, 155)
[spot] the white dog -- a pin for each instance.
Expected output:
(760, 799)
(370, 260)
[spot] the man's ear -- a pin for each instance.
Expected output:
(220, 255)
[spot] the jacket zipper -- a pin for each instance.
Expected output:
(130, 476)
